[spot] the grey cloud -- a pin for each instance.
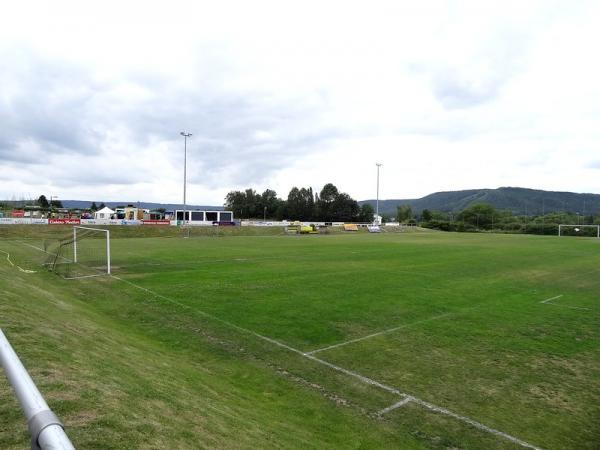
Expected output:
(454, 91)
(61, 110)
(481, 79)
(47, 114)
(593, 164)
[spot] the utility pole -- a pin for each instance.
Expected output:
(185, 136)
(377, 201)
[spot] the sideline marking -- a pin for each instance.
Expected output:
(551, 298)
(547, 302)
(33, 246)
(356, 375)
(402, 402)
(390, 330)
(14, 265)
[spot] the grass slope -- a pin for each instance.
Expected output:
(166, 371)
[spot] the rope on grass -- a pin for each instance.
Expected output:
(14, 265)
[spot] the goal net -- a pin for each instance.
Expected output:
(579, 230)
(84, 253)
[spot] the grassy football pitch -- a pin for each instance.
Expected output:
(398, 340)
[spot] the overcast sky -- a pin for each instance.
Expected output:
(447, 95)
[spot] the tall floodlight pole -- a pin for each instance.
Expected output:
(185, 136)
(377, 201)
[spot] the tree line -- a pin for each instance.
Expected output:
(484, 217)
(328, 205)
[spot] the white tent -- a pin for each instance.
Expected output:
(104, 213)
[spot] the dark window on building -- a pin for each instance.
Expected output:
(226, 217)
(197, 215)
(212, 216)
(180, 215)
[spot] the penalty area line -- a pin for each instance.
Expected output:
(390, 330)
(350, 373)
(548, 300)
(396, 405)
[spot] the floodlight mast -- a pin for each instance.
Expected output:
(377, 201)
(185, 136)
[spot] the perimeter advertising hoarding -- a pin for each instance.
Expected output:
(156, 222)
(64, 221)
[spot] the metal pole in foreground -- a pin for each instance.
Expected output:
(108, 250)
(46, 430)
(377, 202)
(185, 136)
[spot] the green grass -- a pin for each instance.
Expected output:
(128, 369)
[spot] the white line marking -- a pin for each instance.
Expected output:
(551, 298)
(356, 375)
(43, 251)
(547, 302)
(85, 276)
(390, 330)
(14, 265)
(402, 402)
(475, 424)
(33, 246)
(570, 307)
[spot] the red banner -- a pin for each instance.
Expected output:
(18, 213)
(156, 222)
(64, 221)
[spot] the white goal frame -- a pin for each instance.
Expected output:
(560, 227)
(99, 230)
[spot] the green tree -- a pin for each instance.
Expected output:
(250, 204)
(404, 213)
(479, 215)
(93, 206)
(333, 205)
(366, 214)
(300, 204)
(271, 202)
(426, 215)
(43, 202)
(325, 202)
(235, 201)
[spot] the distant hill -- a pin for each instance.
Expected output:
(145, 205)
(520, 201)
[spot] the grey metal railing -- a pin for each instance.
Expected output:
(47, 432)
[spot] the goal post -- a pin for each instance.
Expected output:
(578, 230)
(83, 253)
(96, 253)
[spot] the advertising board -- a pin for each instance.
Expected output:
(64, 221)
(156, 222)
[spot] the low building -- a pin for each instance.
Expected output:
(133, 213)
(200, 217)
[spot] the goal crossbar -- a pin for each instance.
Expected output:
(568, 225)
